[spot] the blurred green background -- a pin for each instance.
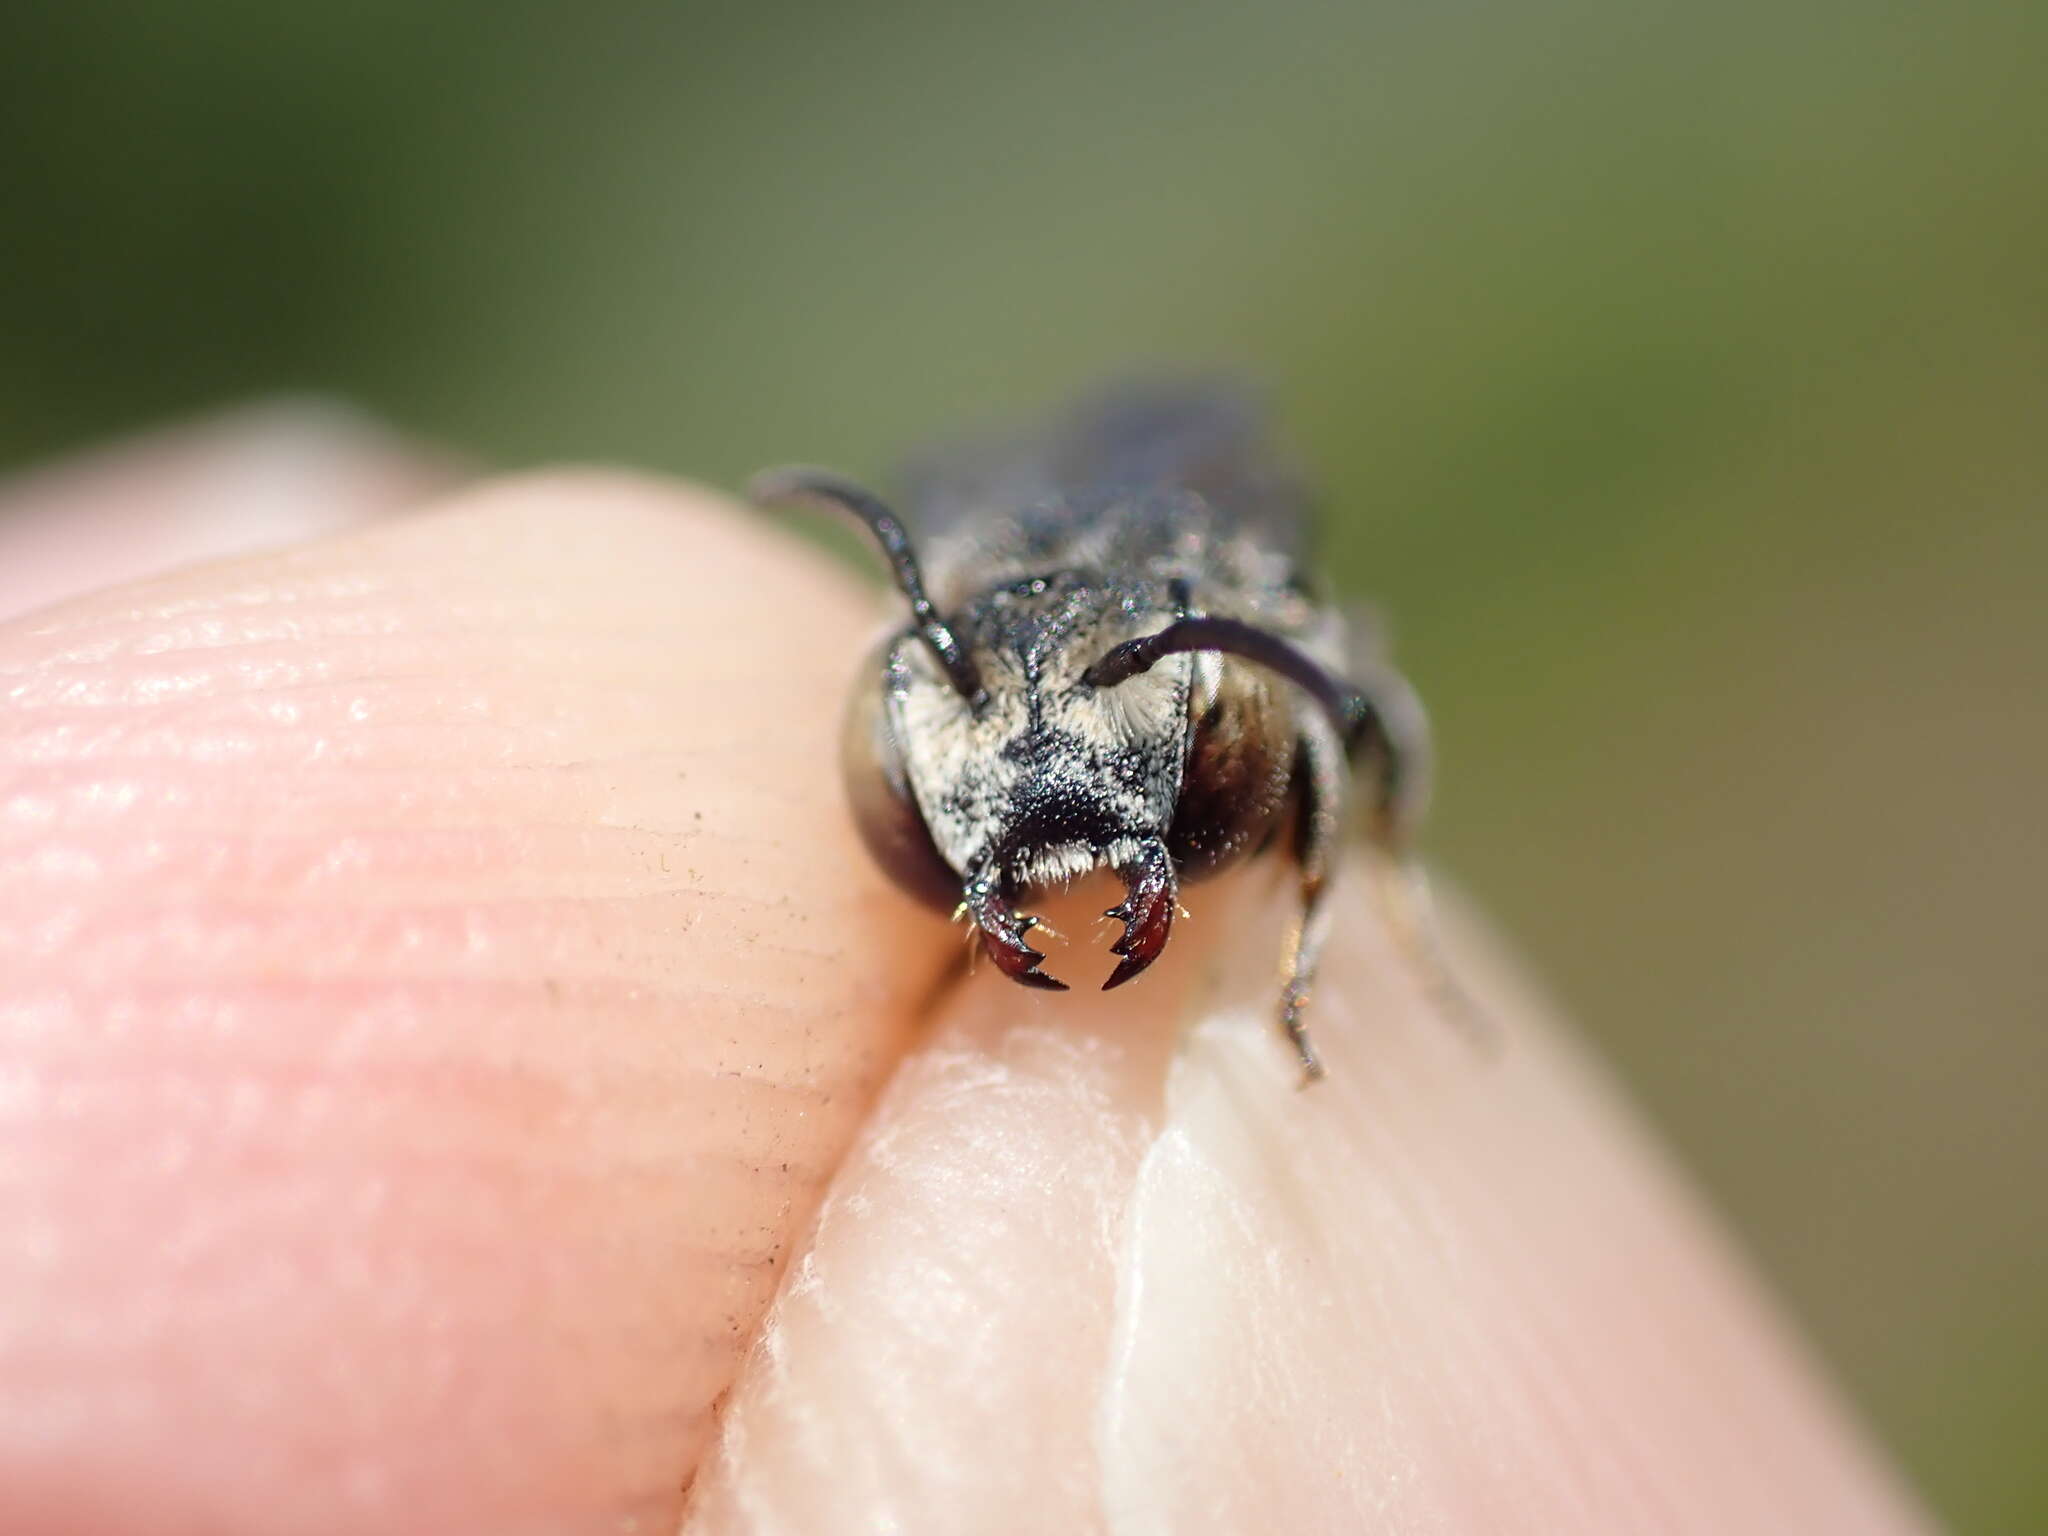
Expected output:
(1677, 376)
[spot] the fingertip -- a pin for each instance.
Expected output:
(444, 978)
(1435, 1293)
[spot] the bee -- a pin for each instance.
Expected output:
(1115, 656)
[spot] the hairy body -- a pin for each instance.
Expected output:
(1115, 660)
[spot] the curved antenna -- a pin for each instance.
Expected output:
(800, 484)
(1352, 711)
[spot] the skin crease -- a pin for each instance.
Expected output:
(439, 992)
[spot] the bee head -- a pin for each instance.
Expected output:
(1038, 777)
(1054, 725)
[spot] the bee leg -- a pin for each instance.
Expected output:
(1320, 777)
(1405, 898)
(1393, 744)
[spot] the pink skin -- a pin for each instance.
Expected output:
(440, 995)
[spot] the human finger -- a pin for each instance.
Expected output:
(436, 979)
(1097, 1265)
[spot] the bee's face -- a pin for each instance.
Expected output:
(1050, 776)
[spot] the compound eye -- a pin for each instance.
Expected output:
(878, 791)
(1240, 761)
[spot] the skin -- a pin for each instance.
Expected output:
(441, 1000)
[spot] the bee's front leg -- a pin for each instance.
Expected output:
(1321, 779)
